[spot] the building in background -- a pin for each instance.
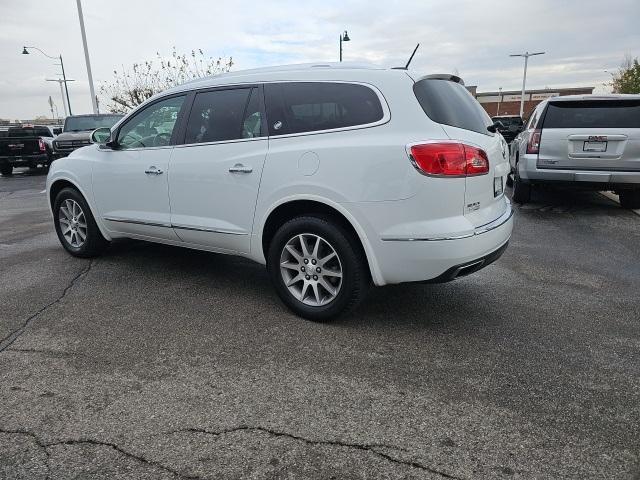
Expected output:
(507, 102)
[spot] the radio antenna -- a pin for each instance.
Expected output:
(406, 67)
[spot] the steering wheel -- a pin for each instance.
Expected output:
(161, 139)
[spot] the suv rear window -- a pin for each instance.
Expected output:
(450, 103)
(593, 114)
(298, 107)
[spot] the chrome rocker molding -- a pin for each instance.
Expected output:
(477, 231)
(171, 225)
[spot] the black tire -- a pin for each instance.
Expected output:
(94, 243)
(355, 272)
(6, 170)
(630, 199)
(521, 191)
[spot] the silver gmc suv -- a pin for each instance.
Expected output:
(591, 141)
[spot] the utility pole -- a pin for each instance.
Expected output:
(86, 58)
(499, 101)
(60, 82)
(526, 56)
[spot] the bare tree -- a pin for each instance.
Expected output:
(133, 86)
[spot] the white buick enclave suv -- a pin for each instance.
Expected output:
(334, 176)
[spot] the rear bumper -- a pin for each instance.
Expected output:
(442, 259)
(597, 179)
(25, 161)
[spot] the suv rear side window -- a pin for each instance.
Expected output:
(450, 103)
(593, 114)
(299, 107)
(220, 115)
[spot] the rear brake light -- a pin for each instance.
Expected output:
(533, 145)
(449, 159)
(42, 146)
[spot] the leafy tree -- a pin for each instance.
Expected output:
(133, 86)
(627, 79)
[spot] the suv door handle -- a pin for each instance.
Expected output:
(240, 168)
(153, 170)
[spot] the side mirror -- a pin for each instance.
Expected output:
(100, 135)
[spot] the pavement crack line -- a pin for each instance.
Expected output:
(13, 336)
(371, 448)
(37, 441)
(87, 441)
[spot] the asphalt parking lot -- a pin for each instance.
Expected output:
(159, 362)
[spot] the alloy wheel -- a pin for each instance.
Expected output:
(311, 269)
(73, 223)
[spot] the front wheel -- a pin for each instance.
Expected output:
(76, 228)
(630, 199)
(317, 267)
(6, 170)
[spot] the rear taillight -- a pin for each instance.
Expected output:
(449, 159)
(533, 145)
(43, 147)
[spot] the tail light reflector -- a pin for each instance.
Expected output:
(43, 147)
(533, 145)
(449, 159)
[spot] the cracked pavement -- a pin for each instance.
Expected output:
(158, 362)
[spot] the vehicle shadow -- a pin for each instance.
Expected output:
(405, 305)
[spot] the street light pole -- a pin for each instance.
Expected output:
(344, 37)
(25, 51)
(526, 56)
(86, 58)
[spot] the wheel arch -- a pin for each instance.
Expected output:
(60, 184)
(291, 208)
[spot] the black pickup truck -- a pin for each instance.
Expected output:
(25, 147)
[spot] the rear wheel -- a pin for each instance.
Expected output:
(630, 199)
(76, 228)
(510, 180)
(6, 170)
(318, 269)
(521, 191)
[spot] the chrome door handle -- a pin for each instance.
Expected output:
(152, 170)
(240, 168)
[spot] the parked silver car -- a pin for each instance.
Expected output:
(591, 141)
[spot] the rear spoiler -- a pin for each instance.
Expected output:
(442, 76)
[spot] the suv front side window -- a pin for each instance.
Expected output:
(153, 126)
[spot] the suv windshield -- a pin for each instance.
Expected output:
(593, 114)
(81, 123)
(450, 103)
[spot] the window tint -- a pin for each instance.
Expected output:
(220, 115)
(593, 114)
(153, 126)
(252, 122)
(312, 106)
(450, 103)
